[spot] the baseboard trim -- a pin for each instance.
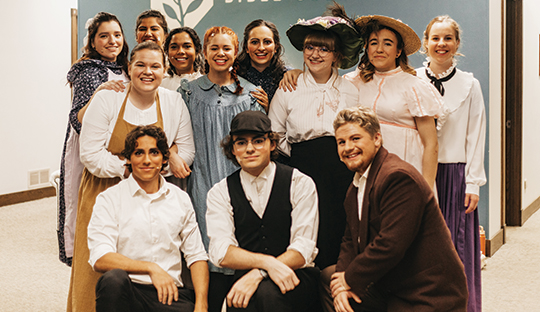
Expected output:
(492, 245)
(24, 196)
(530, 210)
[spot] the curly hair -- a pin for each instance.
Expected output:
(152, 131)
(198, 64)
(366, 68)
(277, 65)
(89, 52)
(224, 30)
(227, 144)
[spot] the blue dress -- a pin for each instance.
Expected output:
(84, 76)
(212, 109)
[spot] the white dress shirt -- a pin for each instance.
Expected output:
(359, 181)
(304, 215)
(309, 111)
(128, 221)
(463, 136)
(100, 119)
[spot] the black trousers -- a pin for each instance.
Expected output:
(268, 297)
(116, 292)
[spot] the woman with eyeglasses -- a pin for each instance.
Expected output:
(303, 119)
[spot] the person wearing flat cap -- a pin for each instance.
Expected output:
(303, 119)
(262, 221)
(406, 105)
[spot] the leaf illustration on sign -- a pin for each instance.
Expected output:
(194, 5)
(170, 11)
(179, 13)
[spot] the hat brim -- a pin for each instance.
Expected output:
(411, 41)
(351, 41)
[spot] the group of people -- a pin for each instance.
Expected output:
(295, 203)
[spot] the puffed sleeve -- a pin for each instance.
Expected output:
(424, 100)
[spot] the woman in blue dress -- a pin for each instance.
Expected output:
(213, 100)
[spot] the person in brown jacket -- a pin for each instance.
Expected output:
(396, 254)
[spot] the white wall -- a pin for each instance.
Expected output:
(495, 113)
(34, 98)
(531, 103)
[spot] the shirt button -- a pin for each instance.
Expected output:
(262, 226)
(264, 237)
(219, 94)
(219, 101)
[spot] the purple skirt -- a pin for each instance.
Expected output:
(463, 227)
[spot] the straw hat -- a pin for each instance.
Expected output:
(411, 41)
(350, 39)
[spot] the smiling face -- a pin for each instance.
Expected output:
(182, 53)
(149, 29)
(146, 162)
(220, 52)
(442, 44)
(108, 41)
(261, 47)
(253, 152)
(146, 70)
(356, 147)
(382, 50)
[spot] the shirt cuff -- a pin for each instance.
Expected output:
(472, 189)
(97, 253)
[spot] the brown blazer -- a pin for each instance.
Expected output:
(402, 243)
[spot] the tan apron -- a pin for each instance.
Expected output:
(82, 296)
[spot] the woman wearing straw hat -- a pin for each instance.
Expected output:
(406, 105)
(303, 119)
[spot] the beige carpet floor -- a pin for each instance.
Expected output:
(33, 279)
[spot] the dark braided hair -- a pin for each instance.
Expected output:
(223, 30)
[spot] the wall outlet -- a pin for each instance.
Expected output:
(38, 178)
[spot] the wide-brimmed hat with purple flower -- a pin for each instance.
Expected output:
(344, 29)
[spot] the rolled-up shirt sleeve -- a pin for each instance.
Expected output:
(305, 216)
(103, 229)
(220, 222)
(192, 246)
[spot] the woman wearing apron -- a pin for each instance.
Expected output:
(105, 125)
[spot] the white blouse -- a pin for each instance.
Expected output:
(100, 119)
(309, 111)
(462, 138)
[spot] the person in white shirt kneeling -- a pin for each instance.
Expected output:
(262, 221)
(140, 229)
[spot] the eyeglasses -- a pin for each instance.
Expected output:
(241, 144)
(323, 51)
